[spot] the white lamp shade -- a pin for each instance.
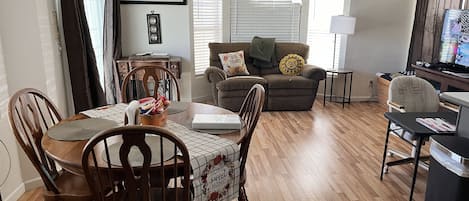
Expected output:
(342, 25)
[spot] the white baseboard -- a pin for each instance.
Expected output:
(33, 183)
(25, 186)
(320, 96)
(16, 194)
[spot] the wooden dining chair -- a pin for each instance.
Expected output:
(250, 112)
(122, 164)
(146, 81)
(31, 114)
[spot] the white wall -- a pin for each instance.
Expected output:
(14, 179)
(380, 43)
(31, 59)
(175, 35)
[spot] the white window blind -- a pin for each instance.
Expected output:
(94, 11)
(320, 41)
(208, 28)
(279, 19)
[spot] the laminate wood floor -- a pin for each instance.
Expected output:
(328, 153)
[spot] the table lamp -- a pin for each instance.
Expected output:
(341, 25)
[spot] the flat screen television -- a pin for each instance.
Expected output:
(454, 48)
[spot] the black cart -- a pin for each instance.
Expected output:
(448, 176)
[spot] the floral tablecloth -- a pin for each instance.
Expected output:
(214, 160)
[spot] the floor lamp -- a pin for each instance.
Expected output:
(341, 25)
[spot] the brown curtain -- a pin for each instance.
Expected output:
(86, 89)
(426, 33)
(112, 50)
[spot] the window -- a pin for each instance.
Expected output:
(279, 19)
(320, 41)
(208, 28)
(94, 11)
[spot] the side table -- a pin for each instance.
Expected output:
(338, 73)
(407, 121)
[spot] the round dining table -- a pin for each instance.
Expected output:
(68, 154)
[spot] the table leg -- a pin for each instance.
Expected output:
(385, 150)
(350, 88)
(332, 86)
(345, 86)
(416, 165)
(325, 92)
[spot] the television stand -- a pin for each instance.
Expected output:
(446, 81)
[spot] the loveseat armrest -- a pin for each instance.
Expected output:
(313, 72)
(215, 74)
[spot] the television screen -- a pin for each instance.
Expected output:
(450, 36)
(455, 37)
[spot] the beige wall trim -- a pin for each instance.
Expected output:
(33, 183)
(320, 97)
(16, 194)
(26, 186)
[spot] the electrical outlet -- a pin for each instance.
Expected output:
(370, 85)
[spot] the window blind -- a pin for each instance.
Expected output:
(208, 27)
(320, 41)
(279, 19)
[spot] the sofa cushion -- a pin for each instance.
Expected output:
(240, 83)
(283, 49)
(233, 63)
(291, 64)
(268, 71)
(279, 81)
(217, 48)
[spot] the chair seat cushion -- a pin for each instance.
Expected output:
(279, 81)
(240, 83)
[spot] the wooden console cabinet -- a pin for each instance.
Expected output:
(446, 81)
(382, 91)
(126, 64)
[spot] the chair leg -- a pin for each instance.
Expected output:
(242, 194)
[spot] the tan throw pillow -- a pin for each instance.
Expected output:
(292, 64)
(233, 63)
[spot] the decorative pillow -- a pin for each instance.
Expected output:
(233, 63)
(292, 64)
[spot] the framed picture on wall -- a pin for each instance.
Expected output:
(171, 2)
(154, 28)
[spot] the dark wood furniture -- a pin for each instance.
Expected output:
(172, 63)
(31, 114)
(150, 78)
(345, 73)
(136, 178)
(69, 153)
(250, 112)
(408, 123)
(446, 80)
